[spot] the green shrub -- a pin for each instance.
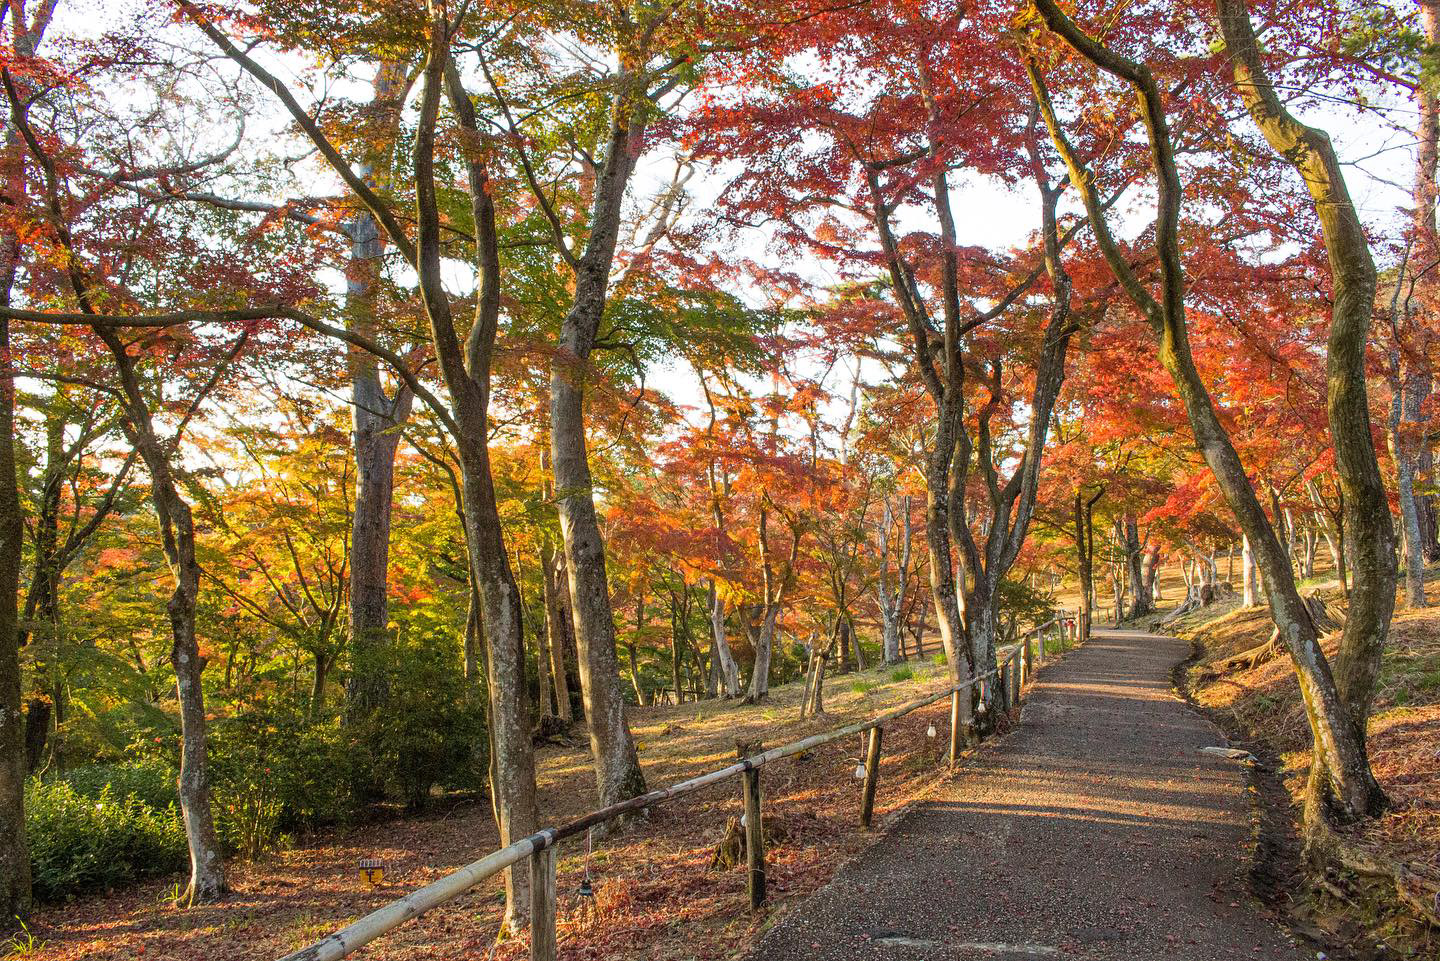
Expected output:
(149, 781)
(863, 687)
(276, 773)
(940, 658)
(903, 673)
(430, 729)
(80, 843)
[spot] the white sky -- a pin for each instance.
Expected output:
(989, 214)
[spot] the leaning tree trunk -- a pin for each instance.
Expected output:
(1339, 740)
(1372, 536)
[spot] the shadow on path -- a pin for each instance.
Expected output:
(1094, 830)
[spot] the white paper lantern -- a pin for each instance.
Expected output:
(930, 732)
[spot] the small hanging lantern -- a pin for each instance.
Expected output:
(372, 871)
(587, 890)
(860, 771)
(930, 731)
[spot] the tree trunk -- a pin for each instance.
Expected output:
(1405, 409)
(617, 768)
(1426, 506)
(177, 538)
(558, 627)
(1084, 537)
(1339, 740)
(1248, 578)
(764, 645)
(542, 669)
(14, 852)
(1140, 590)
(1348, 783)
(376, 420)
(512, 756)
(721, 659)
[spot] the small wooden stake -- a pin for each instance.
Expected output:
(872, 774)
(542, 905)
(754, 840)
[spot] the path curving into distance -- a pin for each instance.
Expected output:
(1096, 830)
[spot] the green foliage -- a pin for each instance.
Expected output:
(152, 782)
(864, 687)
(1378, 35)
(276, 773)
(940, 659)
(903, 673)
(1025, 604)
(80, 843)
(430, 730)
(22, 944)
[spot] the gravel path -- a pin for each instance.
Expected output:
(1095, 830)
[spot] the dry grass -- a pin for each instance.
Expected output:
(655, 897)
(1404, 731)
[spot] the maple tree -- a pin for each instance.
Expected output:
(422, 382)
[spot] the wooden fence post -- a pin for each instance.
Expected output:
(955, 723)
(542, 904)
(872, 774)
(754, 840)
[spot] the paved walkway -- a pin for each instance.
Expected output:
(1096, 830)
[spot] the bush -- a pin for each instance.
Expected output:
(902, 673)
(80, 843)
(863, 687)
(274, 773)
(430, 729)
(150, 781)
(940, 658)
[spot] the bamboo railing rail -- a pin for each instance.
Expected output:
(1014, 665)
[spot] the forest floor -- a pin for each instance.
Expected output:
(655, 895)
(1262, 705)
